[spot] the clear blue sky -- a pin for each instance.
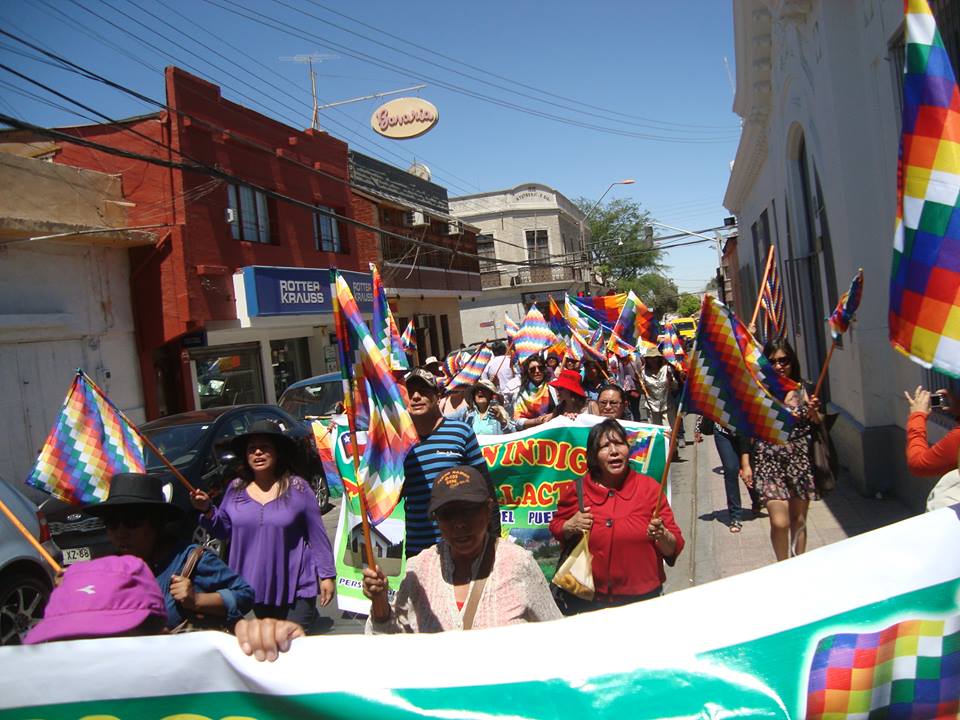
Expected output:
(659, 64)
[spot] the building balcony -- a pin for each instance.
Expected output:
(522, 276)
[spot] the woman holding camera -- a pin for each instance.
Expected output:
(923, 459)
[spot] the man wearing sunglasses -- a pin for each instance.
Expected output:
(444, 443)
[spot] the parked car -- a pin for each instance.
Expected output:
(26, 579)
(197, 444)
(316, 398)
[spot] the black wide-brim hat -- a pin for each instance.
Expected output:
(129, 490)
(286, 445)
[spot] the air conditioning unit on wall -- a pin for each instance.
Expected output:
(454, 227)
(415, 218)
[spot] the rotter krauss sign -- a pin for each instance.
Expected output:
(273, 291)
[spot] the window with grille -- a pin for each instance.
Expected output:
(249, 217)
(537, 246)
(486, 252)
(326, 231)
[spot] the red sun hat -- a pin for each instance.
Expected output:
(569, 380)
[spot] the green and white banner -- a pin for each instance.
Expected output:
(528, 470)
(867, 625)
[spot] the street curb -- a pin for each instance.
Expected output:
(704, 564)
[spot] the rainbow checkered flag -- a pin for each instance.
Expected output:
(619, 347)
(924, 315)
(771, 298)
(722, 384)
(390, 432)
(324, 435)
(510, 327)
(843, 314)
(636, 322)
(384, 327)
(778, 385)
(578, 320)
(556, 319)
(472, 370)
(87, 445)
(908, 670)
(409, 338)
(640, 441)
(581, 349)
(604, 309)
(534, 335)
(671, 346)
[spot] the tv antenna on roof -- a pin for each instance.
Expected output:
(310, 59)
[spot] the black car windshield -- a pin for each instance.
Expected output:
(312, 400)
(178, 443)
(685, 325)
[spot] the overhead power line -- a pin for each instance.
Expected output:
(229, 177)
(566, 99)
(269, 21)
(363, 142)
(525, 95)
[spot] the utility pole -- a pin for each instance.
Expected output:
(309, 59)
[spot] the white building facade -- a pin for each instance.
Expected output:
(532, 224)
(818, 88)
(64, 301)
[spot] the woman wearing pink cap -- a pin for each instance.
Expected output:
(113, 596)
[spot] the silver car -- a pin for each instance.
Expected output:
(25, 578)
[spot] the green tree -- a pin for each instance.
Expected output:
(658, 292)
(687, 305)
(618, 246)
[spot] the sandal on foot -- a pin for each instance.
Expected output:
(735, 526)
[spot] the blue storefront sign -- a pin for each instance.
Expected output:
(278, 291)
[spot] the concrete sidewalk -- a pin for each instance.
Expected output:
(720, 553)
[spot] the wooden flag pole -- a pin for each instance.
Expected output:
(676, 421)
(823, 372)
(763, 283)
(143, 438)
(29, 536)
(348, 401)
(666, 468)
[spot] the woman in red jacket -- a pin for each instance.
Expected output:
(926, 460)
(628, 544)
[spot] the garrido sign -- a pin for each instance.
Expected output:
(404, 118)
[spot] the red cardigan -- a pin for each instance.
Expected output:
(625, 560)
(930, 461)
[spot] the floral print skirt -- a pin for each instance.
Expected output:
(782, 472)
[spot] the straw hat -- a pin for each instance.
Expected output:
(483, 384)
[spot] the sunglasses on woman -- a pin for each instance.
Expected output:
(130, 519)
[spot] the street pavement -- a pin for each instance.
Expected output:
(712, 552)
(718, 553)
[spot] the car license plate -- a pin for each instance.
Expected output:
(72, 555)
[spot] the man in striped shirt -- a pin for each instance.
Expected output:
(444, 443)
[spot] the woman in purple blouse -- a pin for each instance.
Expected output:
(272, 519)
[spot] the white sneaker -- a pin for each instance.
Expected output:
(681, 443)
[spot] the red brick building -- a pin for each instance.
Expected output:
(232, 303)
